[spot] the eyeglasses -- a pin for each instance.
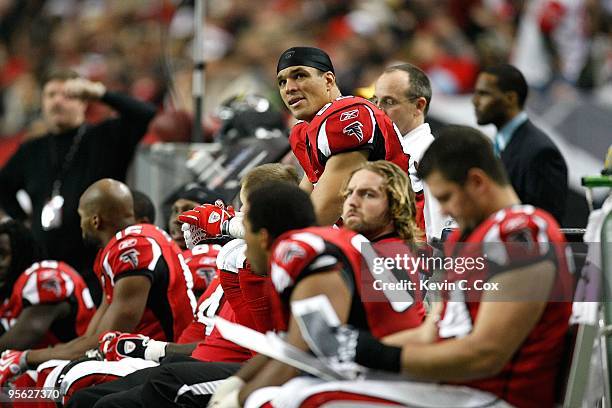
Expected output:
(389, 102)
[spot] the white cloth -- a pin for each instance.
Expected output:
(415, 143)
(406, 393)
(231, 256)
(103, 370)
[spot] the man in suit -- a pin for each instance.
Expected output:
(534, 164)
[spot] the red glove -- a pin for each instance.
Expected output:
(106, 339)
(12, 363)
(212, 219)
(117, 346)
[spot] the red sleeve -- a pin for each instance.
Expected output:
(297, 256)
(348, 129)
(255, 292)
(132, 255)
(231, 287)
(525, 239)
(297, 139)
(47, 284)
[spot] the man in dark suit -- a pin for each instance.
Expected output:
(534, 164)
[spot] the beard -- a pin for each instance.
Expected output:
(91, 242)
(369, 229)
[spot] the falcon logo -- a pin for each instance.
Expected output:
(290, 251)
(130, 256)
(52, 285)
(289, 54)
(349, 115)
(207, 274)
(214, 217)
(354, 129)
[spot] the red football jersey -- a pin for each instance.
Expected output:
(51, 282)
(300, 253)
(202, 262)
(145, 250)
(347, 124)
(212, 346)
(528, 379)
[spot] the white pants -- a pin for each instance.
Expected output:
(406, 393)
(95, 372)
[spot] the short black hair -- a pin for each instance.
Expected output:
(24, 252)
(420, 86)
(456, 150)
(279, 207)
(509, 79)
(195, 191)
(143, 206)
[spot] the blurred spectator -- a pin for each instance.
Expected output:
(553, 42)
(144, 209)
(56, 168)
(535, 167)
(145, 48)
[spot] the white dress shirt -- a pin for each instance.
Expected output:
(414, 143)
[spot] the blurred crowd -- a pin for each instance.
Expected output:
(144, 47)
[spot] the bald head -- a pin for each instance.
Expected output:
(105, 208)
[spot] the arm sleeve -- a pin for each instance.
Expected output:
(293, 260)
(516, 242)
(255, 292)
(349, 129)
(231, 287)
(11, 181)
(134, 117)
(133, 255)
(547, 183)
(47, 286)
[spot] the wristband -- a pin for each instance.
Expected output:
(23, 361)
(372, 353)
(155, 351)
(233, 227)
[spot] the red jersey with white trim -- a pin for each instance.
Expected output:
(202, 262)
(212, 346)
(47, 283)
(347, 124)
(512, 238)
(145, 250)
(301, 253)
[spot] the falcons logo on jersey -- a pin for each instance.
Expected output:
(52, 285)
(207, 274)
(130, 257)
(354, 130)
(289, 251)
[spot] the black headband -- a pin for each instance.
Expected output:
(307, 56)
